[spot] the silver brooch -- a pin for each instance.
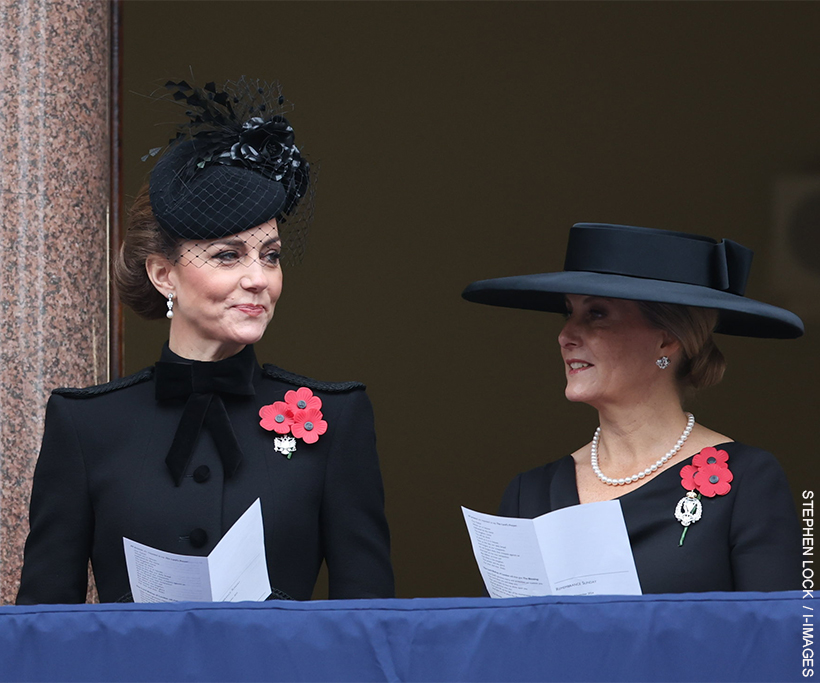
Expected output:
(286, 445)
(689, 509)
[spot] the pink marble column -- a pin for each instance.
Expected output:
(54, 178)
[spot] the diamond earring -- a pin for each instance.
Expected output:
(662, 362)
(170, 304)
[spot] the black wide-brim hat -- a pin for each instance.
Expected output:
(645, 264)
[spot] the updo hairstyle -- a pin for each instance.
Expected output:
(702, 364)
(143, 238)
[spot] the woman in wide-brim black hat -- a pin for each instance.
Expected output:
(173, 455)
(703, 512)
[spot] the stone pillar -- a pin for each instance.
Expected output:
(54, 180)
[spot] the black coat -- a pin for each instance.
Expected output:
(746, 540)
(102, 475)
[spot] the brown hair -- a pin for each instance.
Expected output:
(702, 364)
(143, 238)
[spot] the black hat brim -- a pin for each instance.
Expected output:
(739, 315)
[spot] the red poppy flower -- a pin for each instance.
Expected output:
(713, 479)
(711, 456)
(308, 425)
(277, 417)
(302, 399)
(298, 415)
(687, 477)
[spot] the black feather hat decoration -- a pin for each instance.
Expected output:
(232, 166)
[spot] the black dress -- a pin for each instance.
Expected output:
(746, 540)
(102, 475)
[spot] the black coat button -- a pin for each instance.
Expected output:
(198, 537)
(202, 474)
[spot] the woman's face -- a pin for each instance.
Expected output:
(609, 351)
(225, 291)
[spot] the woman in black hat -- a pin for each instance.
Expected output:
(703, 512)
(172, 456)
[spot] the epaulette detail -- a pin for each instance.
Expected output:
(142, 376)
(274, 372)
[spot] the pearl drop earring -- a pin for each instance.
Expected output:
(170, 304)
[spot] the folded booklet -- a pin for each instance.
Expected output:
(579, 550)
(235, 570)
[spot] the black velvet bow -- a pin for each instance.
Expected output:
(201, 385)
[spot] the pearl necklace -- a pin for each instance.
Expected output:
(690, 422)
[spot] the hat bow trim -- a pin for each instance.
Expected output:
(656, 255)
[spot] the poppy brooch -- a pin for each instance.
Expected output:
(299, 416)
(708, 475)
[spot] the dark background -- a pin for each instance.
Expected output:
(459, 141)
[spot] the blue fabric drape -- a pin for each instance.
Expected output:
(696, 637)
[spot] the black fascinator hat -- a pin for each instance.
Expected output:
(644, 264)
(232, 166)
